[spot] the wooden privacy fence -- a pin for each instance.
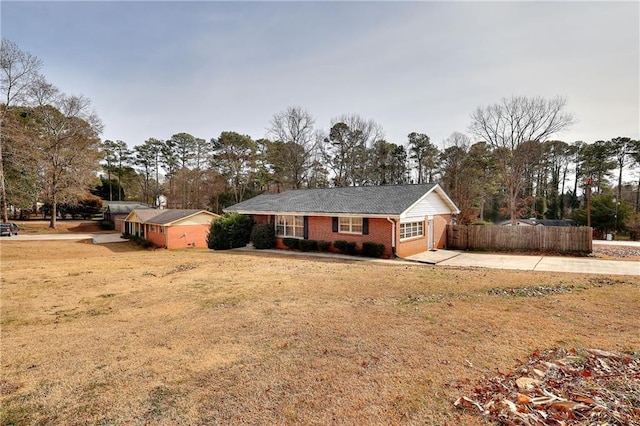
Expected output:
(560, 239)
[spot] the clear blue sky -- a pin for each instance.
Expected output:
(153, 69)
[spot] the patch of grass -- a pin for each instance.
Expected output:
(14, 415)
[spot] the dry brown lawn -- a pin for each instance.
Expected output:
(116, 335)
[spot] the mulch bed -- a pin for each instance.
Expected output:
(559, 387)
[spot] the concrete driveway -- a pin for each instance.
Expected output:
(585, 265)
(97, 238)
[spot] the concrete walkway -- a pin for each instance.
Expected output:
(586, 265)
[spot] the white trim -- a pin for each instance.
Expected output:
(293, 226)
(413, 237)
(351, 225)
(438, 189)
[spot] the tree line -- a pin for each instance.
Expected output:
(513, 167)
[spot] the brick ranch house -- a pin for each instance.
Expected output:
(407, 219)
(171, 228)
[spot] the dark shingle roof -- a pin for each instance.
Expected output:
(557, 222)
(171, 215)
(544, 222)
(120, 207)
(383, 200)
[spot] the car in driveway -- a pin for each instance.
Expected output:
(8, 229)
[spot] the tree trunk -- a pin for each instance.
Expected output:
(54, 211)
(3, 190)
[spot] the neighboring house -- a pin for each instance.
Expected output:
(540, 222)
(407, 219)
(117, 210)
(170, 228)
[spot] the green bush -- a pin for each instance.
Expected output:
(263, 236)
(107, 225)
(308, 245)
(340, 245)
(139, 241)
(229, 231)
(347, 247)
(371, 249)
(324, 245)
(292, 243)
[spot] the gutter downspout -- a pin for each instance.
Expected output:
(393, 236)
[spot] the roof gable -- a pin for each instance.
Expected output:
(174, 216)
(141, 215)
(391, 200)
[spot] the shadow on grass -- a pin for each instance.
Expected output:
(123, 247)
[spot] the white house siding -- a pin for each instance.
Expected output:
(429, 205)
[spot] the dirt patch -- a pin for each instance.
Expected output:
(91, 335)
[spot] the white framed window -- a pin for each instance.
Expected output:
(350, 225)
(290, 226)
(411, 230)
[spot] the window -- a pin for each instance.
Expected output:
(411, 229)
(290, 226)
(161, 229)
(350, 225)
(153, 228)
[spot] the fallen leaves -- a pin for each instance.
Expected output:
(559, 387)
(532, 291)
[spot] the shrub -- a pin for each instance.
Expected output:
(371, 249)
(347, 247)
(292, 243)
(324, 245)
(352, 249)
(229, 231)
(308, 245)
(146, 243)
(340, 245)
(263, 236)
(107, 225)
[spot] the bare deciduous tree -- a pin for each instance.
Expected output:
(19, 71)
(294, 128)
(67, 143)
(512, 122)
(346, 148)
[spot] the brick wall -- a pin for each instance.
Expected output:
(411, 246)
(196, 236)
(155, 237)
(440, 230)
(320, 229)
